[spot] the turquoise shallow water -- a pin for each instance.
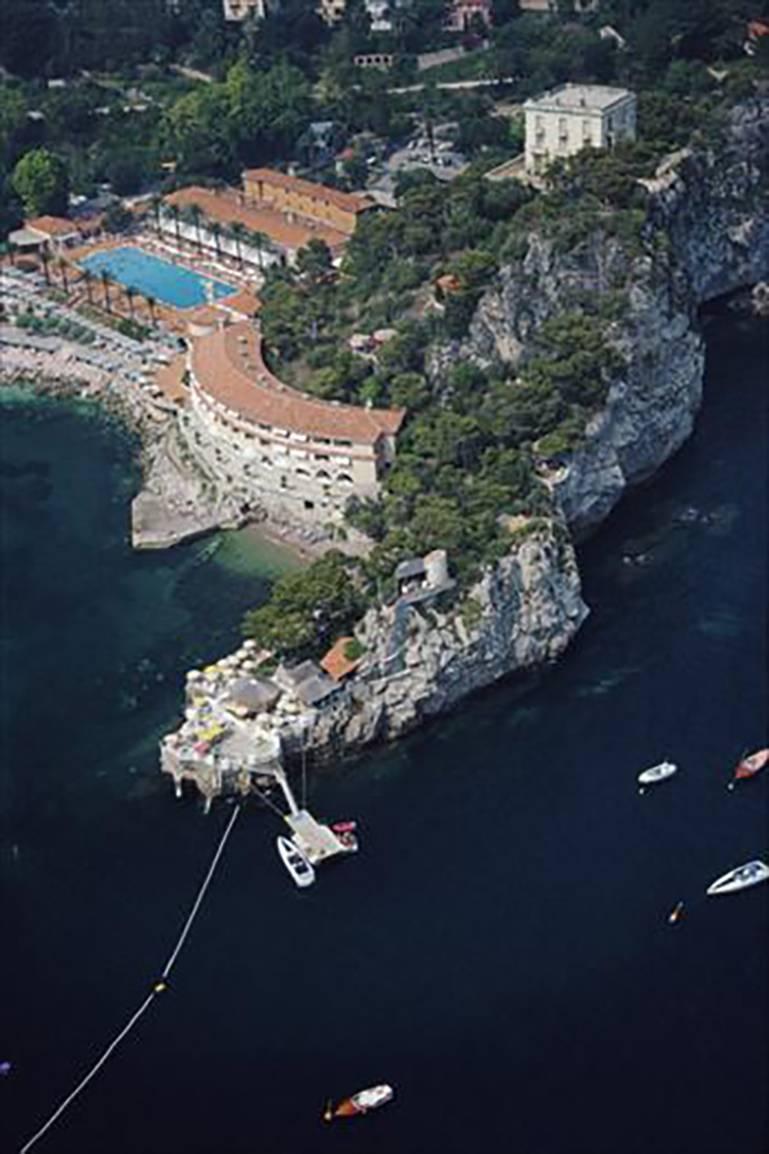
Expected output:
(499, 950)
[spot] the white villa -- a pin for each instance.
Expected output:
(565, 120)
(238, 10)
(380, 12)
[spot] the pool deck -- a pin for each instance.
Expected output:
(149, 274)
(244, 300)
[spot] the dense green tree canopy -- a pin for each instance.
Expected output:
(197, 133)
(307, 610)
(41, 181)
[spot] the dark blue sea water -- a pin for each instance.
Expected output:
(499, 950)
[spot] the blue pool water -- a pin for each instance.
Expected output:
(151, 276)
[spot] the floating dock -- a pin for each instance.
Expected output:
(317, 842)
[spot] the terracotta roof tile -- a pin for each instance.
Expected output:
(53, 225)
(204, 315)
(246, 303)
(170, 378)
(336, 662)
(228, 366)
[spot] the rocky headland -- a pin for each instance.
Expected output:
(703, 233)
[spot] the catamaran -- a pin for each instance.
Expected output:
(296, 863)
(360, 1103)
(657, 773)
(740, 878)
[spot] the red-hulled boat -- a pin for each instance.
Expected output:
(360, 1103)
(752, 764)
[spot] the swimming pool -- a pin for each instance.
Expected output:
(149, 275)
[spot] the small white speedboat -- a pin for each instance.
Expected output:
(296, 863)
(657, 773)
(373, 1098)
(740, 878)
(360, 1103)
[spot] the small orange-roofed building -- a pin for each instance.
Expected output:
(57, 232)
(447, 284)
(336, 663)
(757, 29)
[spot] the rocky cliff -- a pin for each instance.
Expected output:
(705, 233)
(421, 659)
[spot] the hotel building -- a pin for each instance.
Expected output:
(295, 455)
(285, 211)
(303, 199)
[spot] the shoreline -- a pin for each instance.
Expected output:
(284, 538)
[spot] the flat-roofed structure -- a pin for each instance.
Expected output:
(563, 121)
(295, 455)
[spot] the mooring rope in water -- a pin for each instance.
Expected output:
(201, 894)
(157, 989)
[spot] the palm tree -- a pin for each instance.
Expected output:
(130, 293)
(238, 231)
(156, 201)
(62, 266)
(106, 280)
(12, 252)
(176, 214)
(260, 242)
(45, 258)
(151, 306)
(196, 214)
(216, 233)
(87, 279)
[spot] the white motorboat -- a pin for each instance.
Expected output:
(740, 878)
(360, 1103)
(295, 862)
(657, 773)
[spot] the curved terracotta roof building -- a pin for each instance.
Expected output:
(294, 453)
